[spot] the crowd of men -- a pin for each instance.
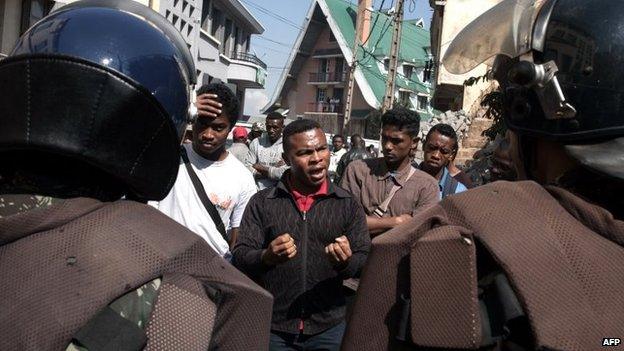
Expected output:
(117, 233)
(304, 226)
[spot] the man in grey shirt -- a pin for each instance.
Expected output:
(264, 159)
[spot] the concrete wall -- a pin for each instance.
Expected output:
(447, 22)
(11, 19)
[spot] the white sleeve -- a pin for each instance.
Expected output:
(248, 189)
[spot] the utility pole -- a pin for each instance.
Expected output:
(360, 27)
(394, 57)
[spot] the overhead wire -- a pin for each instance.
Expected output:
(275, 41)
(272, 14)
(375, 22)
(271, 49)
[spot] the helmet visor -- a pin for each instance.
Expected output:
(505, 29)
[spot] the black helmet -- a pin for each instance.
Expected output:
(102, 82)
(561, 66)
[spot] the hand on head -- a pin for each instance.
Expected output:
(208, 106)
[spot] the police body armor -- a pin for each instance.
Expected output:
(516, 266)
(63, 265)
(97, 95)
(507, 266)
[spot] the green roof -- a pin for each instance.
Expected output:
(414, 40)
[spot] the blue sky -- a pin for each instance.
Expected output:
(275, 44)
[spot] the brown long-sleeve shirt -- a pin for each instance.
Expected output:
(370, 183)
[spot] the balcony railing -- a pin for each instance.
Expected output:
(325, 107)
(325, 77)
(249, 57)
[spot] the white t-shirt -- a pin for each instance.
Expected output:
(334, 158)
(229, 186)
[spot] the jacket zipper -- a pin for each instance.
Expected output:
(304, 270)
(304, 252)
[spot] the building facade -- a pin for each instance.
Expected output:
(218, 33)
(314, 83)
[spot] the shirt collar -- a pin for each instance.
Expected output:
(399, 176)
(198, 160)
(443, 179)
(266, 141)
(281, 189)
(322, 191)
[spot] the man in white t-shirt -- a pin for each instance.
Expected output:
(228, 184)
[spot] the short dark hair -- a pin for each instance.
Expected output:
(445, 130)
(229, 100)
(404, 119)
(296, 127)
(275, 115)
(338, 136)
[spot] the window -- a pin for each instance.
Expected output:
(321, 94)
(387, 64)
(226, 43)
(215, 22)
(338, 94)
(407, 71)
(205, 18)
(33, 11)
(323, 67)
(340, 75)
(404, 98)
(422, 102)
(332, 38)
(237, 43)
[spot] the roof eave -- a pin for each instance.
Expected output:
(294, 52)
(365, 88)
(248, 16)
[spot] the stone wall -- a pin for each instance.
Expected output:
(469, 132)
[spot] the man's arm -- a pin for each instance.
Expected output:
(378, 225)
(359, 242)
(252, 156)
(248, 189)
(233, 237)
(429, 195)
(247, 251)
(276, 172)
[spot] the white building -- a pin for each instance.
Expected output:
(218, 33)
(449, 18)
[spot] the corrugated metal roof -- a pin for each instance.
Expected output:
(414, 40)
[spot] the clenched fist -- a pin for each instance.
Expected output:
(339, 252)
(280, 250)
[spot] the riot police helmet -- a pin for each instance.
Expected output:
(560, 64)
(101, 83)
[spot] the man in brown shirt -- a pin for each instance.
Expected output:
(372, 180)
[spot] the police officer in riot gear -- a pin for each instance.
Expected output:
(520, 266)
(94, 101)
